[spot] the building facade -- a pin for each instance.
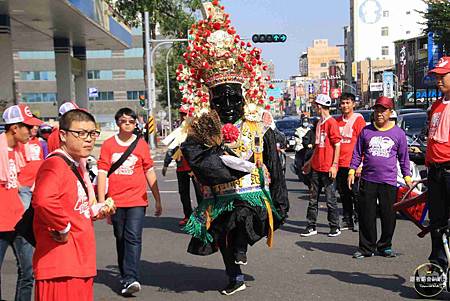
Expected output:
(115, 79)
(319, 57)
(376, 24)
(303, 64)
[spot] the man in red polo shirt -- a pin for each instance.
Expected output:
(350, 126)
(19, 122)
(437, 160)
(324, 165)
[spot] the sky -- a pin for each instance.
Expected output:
(301, 20)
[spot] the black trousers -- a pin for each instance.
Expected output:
(386, 194)
(319, 180)
(230, 244)
(348, 198)
(438, 210)
(184, 189)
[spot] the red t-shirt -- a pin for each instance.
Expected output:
(322, 159)
(59, 198)
(11, 207)
(53, 142)
(437, 152)
(127, 186)
(27, 174)
(347, 145)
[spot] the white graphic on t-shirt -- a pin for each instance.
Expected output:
(35, 152)
(322, 138)
(434, 122)
(344, 140)
(380, 146)
(12, 179)
(82, 204)
(127, 167)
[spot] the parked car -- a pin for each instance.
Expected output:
(287, 126)
(366, 114)
(413, 123)
(409, 110)
(417, 147)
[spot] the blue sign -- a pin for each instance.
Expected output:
(434, 52)
(93, 92)
(275, 92)
(388, 84)
(422, 94)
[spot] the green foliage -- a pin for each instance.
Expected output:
(174, 18)
(438, 21)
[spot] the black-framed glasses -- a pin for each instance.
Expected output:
(84, 134)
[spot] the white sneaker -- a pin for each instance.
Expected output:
(309, 231)
(131, 288)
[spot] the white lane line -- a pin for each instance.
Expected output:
(175, 180)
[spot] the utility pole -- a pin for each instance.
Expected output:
(148, 70)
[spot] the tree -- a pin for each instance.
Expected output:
(174, 18)
(438, 21)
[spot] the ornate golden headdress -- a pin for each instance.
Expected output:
(217, 55)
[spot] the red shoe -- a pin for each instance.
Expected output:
(183, 222)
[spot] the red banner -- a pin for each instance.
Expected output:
(325, 86)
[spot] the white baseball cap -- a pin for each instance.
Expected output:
(66, 107)
(20, 113)
(324, 100)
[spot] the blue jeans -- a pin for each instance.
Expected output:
(23, 252)
(25, 195)
(127, 224)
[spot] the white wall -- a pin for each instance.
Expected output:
(369, 18)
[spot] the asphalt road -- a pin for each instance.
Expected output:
(295, 268)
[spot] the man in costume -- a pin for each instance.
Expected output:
(230, 146)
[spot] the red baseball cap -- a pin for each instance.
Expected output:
(442, 67)
(20, 113)
(385, 102)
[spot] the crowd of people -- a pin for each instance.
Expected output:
(227, 145)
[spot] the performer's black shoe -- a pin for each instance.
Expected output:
(233, 287)
(240, 258)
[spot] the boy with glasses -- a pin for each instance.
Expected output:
(19, 122)
(64, 262)
(127, 186)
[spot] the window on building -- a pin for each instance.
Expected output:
(385, 13)
(133, 52)
(134, 95)
(103, 96)
(408, 32)
(36, 55)
(323, 74)
(408, 12)
(384, 31)
(323, 64)
(385, 50)
(100, 74)
(37, 75)
(134, 74)
(39, 97)
(98, 54)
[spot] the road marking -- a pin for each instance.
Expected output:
(175, 180)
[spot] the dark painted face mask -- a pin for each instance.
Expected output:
(228, 102)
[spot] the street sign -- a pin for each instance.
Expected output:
(93, 92)
(376, 87)
(324, 86)
(388, 84)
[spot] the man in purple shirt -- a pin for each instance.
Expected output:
(379, 146)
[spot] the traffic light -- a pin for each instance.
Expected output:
(142, 100)
(269, 38)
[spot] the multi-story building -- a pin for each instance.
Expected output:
(117, 76)
(376, 24)
(303, 64)
(319, 57)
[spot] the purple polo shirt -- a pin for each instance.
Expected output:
(380, 151)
